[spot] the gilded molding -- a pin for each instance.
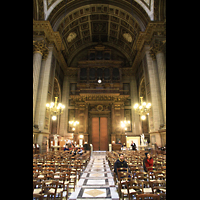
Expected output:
(152, 54)
(153, 30)
(43, 29)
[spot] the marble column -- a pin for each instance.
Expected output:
(162, 79)
(155, 115)
(155, 91)
(157, 50)
(134, 99)
(43, 91)
(65, 101)
(39, 50)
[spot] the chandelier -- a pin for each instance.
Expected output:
(125, 123)
(73, 123)
(142, 109)
(54, 108)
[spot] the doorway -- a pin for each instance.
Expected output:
(100, 133)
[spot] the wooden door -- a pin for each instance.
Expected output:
(103, 134)
(95, 133)
(100, 133)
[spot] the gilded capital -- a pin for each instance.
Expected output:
(152, 54)
(40, 47)
(157, 47)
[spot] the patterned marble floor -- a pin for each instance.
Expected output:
(96, 181)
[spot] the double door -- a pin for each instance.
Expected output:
(100, 133)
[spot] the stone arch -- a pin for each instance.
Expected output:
(82, 20)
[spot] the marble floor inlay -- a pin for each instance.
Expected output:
(96, 181)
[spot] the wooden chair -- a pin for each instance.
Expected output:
(136, 185)
(132, 188)
(122, 192)
(159, 187)
(51, 189)
(151, 168)
(142, 196)
(163, 168)
(151, 176)
(77, 166)
(38, 196)
(146, 187)
(72, 178)
(141, 176)
(123, 176)
(42, 176)
(66, 182)
(38, 189)
(160, 175)
(61, 184)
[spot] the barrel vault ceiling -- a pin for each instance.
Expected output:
(83, 24)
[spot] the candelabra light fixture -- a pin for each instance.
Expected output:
(73, 123)
(142, 109)
(125, 123)
(54, 108)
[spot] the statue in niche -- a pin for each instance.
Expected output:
(56, 140)
(142, 139)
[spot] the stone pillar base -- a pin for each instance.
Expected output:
(155, 137)
(43, 141)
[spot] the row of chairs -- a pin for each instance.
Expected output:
(136, 163)
(56, 185)
(142, 183)
(135, 176)
(52, 178)
(57, 156)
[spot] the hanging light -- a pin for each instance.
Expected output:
(54, 117)
(99, 80)
(54, 108)
(142, 109)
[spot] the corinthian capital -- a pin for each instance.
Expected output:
(40, 47)
(157, 46)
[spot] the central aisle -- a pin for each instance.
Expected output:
(96, 181)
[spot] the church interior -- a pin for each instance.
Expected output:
(99, 84)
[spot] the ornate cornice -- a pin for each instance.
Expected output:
(99, 98)
(153, 30)
(43, 29)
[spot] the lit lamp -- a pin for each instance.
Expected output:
(142, 109)
(124, 124)
(99, 80)
(73, 123)
(54, 108)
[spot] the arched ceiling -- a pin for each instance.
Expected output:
(82, 24)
